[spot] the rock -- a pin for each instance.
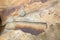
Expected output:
(37, 15)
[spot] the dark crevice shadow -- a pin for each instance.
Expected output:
(31, 30)
(1, 27)
(43, 1)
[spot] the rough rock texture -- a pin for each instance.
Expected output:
(52, 33)
(30, 14)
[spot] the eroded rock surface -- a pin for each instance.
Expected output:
(23, 19)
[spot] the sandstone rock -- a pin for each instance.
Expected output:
(22, 18)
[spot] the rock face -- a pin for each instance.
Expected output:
(30, 19)
(52, 33)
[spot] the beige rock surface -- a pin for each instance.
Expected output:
(22, 10)
(52, 33)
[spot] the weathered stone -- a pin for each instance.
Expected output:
(40, 17)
